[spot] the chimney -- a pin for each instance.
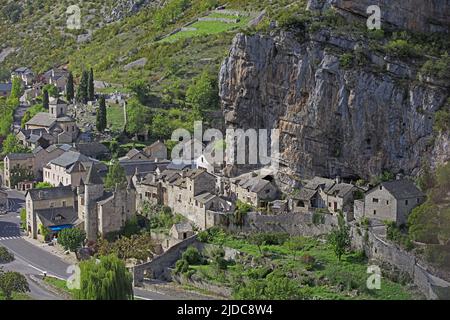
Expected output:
(338, 179)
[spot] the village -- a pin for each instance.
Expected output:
(73, 168)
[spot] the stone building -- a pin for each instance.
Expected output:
(56, 122)
(181, 231)
(134, 155)
(156, 151)
(50, 208)
(255, 189)
(340, 197)
(391, 201)
(104, 211)
(12, 161)
(69, 168)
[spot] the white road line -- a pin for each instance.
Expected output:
(142, 298)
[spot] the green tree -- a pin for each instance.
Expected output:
(70, 89)
(203, 94)
(23, 218)
(11, 282)
(13, 145)
(101, 115)
(5, 255)
(138, 117)
(82, 92)
(90, 86)
(31, 112)
(52, 90)
(71, 239)
(116, 177)
(105, 279)
(45, 99)
(340, 238)
(20, 174)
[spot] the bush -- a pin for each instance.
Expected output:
(182, 266)
(439, 68)
(318, 217)
(5, 255)
(401, 48)
(442, 121)
(193, 256)
(346, 60)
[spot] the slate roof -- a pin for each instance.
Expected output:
(183, 227)
(50, 193)
(179, 166)
(93, 149)
(20, 156)
(205, 197)
(340, 189)
(319, 181)
(69, 158)
(57, 216)
(93, 177)
(305, 194)
(130, 166)
(403, 189)
(43, 119)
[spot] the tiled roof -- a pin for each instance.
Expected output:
(50, 193)
(403, 189)
(57, 216)
(20, 156)
(43, 119)
(69, 158)
(340, 189)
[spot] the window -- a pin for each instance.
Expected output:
(63, 203)
(381, 187)
(329, 204)
(374, 212)
(406, 202)
(387, 202)
(375, 200)
(418, 200)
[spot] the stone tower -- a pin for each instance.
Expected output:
(57, 107)
(93, 190)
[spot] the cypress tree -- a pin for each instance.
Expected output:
(70, 91)
(101, 115)
(45, 99)
(90, 88)
(82, 92)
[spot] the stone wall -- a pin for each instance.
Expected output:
(378, 249)
(158, 268)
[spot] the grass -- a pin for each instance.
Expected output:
(115, 117)
(343, 277)
(59, 285)
(17, 296)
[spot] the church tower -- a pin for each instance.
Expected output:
(93, 190)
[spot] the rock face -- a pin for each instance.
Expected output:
(414, 15)
(124, 8)
(333, 121)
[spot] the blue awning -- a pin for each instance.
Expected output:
(59, 228)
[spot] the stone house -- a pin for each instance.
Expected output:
(134, 155)
(17, 160)
(25, 74)
(391, 201)
(69, 169)
(51, 208)
(181, 231)
(156, 151)
(255, 189)
(95, 150)
(340, 197)
(57, 77)
(148, 190)
(35, 138)
(56, 122)
(104, 211)
(304, 200)
(5, 89)
(321, 185)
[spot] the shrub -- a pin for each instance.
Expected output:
(442, 121)
(401, 48)
(439, 68)
(192, 256)
(346, 60)
(181, 266)
(5, 255)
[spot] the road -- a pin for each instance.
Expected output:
(32, 260)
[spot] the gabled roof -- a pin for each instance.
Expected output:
(340, 189)
(92, 149)
(130, 166)
(319, 181)
(305, 194)
(43, 119)
(50, 193)
(93, 176)
(205, 197)
(57, 216)
(68, 158)
(183, 227)
(20, 156)
(402, 189)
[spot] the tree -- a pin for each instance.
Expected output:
(11, 282)
(31, 112)
(70, 90)
(82, 92)
(20, 174)
(105, 279)
(258, 239)
(43, 185)
(203, 94)
(13, 145)
(138, 116)
(101, 115)
(90, 86)
(5, 255)
(116, 176)
(295, 244)
(340, 238)
(71, 239)
(52, 90)
(45, 99)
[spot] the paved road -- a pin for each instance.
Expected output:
(32, 260)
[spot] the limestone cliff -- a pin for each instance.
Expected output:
(334, 120)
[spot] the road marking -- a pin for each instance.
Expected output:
(142, 298)
(46, 273)
(10, 238)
